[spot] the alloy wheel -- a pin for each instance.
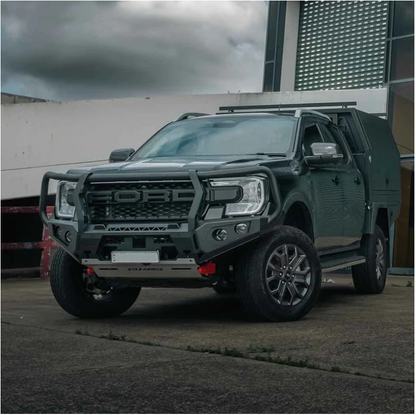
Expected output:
(380, 261)
(288, 275)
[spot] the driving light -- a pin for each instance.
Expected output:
(62, 208)
(255, 195)
(241, 228)
(220, 235)
(68, 237)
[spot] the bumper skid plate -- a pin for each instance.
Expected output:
(180, 268)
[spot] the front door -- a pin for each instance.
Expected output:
(326, 189)
(353, 191)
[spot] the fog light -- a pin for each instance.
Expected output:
(220, 235)
(241, 228)
(68, 237)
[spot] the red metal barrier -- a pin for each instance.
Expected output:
(46, 245)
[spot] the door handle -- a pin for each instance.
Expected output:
(357, 180)
(335, 180)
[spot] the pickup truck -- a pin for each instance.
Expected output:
(255, 203)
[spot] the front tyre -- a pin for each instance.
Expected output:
(370, 277)
(76, 295)
(280, 279)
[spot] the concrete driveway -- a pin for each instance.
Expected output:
(187, 351)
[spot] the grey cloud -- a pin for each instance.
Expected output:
(79, 50)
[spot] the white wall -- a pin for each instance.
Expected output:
(55, 136)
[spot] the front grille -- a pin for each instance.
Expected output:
(133, 201)
(138, 228)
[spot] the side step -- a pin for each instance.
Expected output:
(333, 262)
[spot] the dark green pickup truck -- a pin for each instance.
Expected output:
(257, 203)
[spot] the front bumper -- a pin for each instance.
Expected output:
(188, 240)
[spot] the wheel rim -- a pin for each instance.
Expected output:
(380, 261)
(288, 275)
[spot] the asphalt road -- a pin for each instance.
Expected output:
(54, 363)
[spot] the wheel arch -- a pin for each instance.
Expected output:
(298, 215)
(382, 220)
(382, 216)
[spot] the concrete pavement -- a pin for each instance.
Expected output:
(53, 362)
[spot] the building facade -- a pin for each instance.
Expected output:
(344, 45)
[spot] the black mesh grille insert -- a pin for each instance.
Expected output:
(130, 201)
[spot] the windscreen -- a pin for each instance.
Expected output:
(221, 136)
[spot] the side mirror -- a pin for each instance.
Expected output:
(324, 153)
(122, 154)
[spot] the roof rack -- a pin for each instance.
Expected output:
(190, 114)
(275, 108)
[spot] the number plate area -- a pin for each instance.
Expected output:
(131, 257)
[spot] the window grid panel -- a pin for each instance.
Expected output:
(341, 45)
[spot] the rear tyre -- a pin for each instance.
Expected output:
(370, 277)
(74, 294)
(280, 279)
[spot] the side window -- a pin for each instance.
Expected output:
(345, 128)
(311, 135)
(328, 138)
(339, 138)
(335, 136)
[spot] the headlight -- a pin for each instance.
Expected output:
(62, 208)
(255, 195)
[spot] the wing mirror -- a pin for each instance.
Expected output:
(324, 153)
(122, 154)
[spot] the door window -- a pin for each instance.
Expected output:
(319, 133)
(333, 135)
(311, 135)
(328, 138)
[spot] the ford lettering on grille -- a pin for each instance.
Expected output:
(137, 201)
(143, 196)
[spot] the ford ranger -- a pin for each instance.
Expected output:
(257, 203)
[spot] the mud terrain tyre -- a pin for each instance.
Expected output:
(370, 277)
(69, 290)
(279, 279)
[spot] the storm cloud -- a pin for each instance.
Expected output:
(80, 50)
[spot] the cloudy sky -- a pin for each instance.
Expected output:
(79, 50)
